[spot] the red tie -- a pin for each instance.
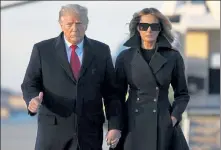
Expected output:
(75, 62)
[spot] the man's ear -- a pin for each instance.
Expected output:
(60, 23)
(85, 27)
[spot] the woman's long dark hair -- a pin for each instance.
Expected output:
(166, 26)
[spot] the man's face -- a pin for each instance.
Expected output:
(73, 28)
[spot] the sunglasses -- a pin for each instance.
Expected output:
(145, 26)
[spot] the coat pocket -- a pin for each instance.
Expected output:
(47, 119)
(169, 120)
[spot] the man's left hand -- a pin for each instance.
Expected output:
(174, 120)
(113, 136)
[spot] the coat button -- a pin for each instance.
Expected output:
(157, 88)
(138, 99)
(154, 110)
(154, 99)
(136, 110)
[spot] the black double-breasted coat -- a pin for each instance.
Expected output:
(147, 110)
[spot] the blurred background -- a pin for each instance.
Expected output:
(196, 24)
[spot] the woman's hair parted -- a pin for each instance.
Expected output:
(166, 26)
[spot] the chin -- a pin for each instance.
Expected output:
(78, 38)
(75, 40)
(150, 39)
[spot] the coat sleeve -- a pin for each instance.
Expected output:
(111, 100)
(179, 84)
(32, 83)
(121, 79)
(122, 86)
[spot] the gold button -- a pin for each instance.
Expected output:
(154, 99)
(138, 99)
(157, 88)
(154, 110)
(136, 110)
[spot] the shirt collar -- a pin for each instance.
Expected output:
(68, 44)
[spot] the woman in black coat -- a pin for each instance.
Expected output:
(145, 71)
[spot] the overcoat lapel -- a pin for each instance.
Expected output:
(87, 57)
(147, 71)
(61, 55)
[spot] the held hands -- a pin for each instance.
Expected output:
(174, 120)
(35, 103)
(112, 138)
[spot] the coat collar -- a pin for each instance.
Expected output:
(157, 60)
(135, 42)
(63, 60)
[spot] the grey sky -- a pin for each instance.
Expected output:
(23, 26)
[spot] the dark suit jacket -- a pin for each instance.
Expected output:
(49, 71)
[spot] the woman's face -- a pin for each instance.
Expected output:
(149, 28)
